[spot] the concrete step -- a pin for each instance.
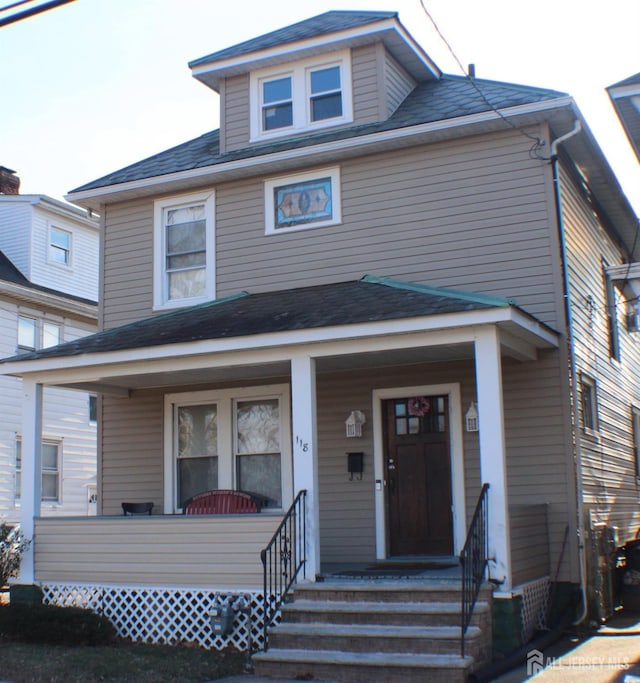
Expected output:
(385, 591)
(361, 667)
(375, 638)
(396, 613)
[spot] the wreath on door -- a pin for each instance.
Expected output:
(419, 406)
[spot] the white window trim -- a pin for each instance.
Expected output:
(59, 443)
(300, 86)
(590, 382)
(160, 298)
(269, 204)
(226, 400)
(38, 332)
(53, 262)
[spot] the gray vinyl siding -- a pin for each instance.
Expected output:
(470, 214)
(128, 263)
(174, 550)
(529, 542)
(234, 121)
(368, 91)
(398, 84)
(132, 452)
(610, 490)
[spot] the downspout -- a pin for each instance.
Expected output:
(577, 127)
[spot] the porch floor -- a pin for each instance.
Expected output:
(422, 568)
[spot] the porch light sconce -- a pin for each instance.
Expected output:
(471, 418)
(354, 423)
(355, 465)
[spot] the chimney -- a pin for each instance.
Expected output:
(9, 181)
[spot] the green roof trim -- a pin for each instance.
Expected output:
(488, 299)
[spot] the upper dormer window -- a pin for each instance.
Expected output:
(305, 96)
(60, 246)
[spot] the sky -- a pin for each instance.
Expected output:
(95, 85)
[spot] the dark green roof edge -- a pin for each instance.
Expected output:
(487, 299)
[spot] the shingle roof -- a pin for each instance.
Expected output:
(437, 100)
(368, 300)
(631, 80)
(9, 273)
(329, 22)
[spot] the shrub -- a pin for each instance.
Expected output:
(12, 545)
(50, 625)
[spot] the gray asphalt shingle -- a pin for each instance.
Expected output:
(368, 300)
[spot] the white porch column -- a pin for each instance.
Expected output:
(493, 460)
(31, 476)
(305, 452)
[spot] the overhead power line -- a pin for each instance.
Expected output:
(30, 12)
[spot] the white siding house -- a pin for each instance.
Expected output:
(48, 293)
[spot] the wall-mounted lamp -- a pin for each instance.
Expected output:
(355, 465)
(471, 418)
(354, 423)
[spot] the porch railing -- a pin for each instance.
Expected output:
(283, 558)
(473, 560)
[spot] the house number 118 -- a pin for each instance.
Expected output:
(304, 445)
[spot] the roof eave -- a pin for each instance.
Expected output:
(488, 121)
(519, 327)
(390, 31)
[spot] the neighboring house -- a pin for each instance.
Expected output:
(625, 97)
(367, 262)
(48, 294)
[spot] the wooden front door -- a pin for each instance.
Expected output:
(418, 472)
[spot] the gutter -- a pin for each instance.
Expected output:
(575, 418)
(216, 172)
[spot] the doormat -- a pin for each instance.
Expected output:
(380, 572)
(419, 566)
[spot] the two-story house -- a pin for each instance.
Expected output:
(382, 286)
(48, 295)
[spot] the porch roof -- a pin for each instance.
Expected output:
(366, 300)
(311, 318)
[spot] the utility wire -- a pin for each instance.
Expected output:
(538, 142)
(15, 4)
(18, 16)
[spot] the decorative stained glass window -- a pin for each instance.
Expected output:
(303, 202)
(307, 200)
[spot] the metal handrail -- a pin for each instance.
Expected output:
(283, 558)
(473, 560)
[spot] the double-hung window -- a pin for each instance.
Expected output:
(37, 334)
(310, 94)
(60, 246)
(50, 470)
(228, 439)
(183, 251)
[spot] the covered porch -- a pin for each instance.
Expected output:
(374, 346)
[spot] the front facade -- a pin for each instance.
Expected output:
(366, 241)
(48, 295)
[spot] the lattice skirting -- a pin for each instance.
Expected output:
(166, 615)
(535, 595)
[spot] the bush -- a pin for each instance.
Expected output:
(12, 545)
(50, 625)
